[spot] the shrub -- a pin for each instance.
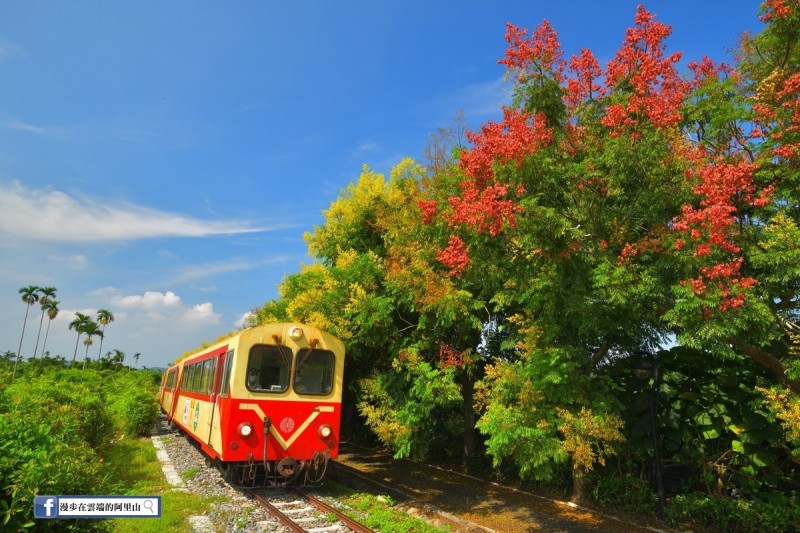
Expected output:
(722, 514)
(624, 492)
(135, 402)
(41, 452)
(140, 412)
(90, 420)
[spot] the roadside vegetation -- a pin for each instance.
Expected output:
(69, 430)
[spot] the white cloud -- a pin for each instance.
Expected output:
(201, 313)
(242, 319)
(48, 215)
(149, 300)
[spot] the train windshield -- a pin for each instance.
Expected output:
(314, 371)
(268, 368)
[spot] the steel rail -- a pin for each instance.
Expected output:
(341, 517)
(274, 511)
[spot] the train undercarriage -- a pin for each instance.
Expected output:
(283, 473)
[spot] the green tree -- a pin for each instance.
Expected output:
(104, 317)
(30, 295)
(47, 294)
(51, 308)
(90, 329)
(79, 324)
(118, 358)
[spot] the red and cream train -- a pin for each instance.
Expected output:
(264, 403)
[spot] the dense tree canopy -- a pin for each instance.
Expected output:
(612, 210)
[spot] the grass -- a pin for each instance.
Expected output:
(376, 512)
(134, 470)
(189, 473)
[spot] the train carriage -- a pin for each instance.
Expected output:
(265, 403)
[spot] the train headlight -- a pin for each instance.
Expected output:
(245, 429)
(296, 333)
(325, 431)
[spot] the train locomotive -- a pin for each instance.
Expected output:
(263, 404)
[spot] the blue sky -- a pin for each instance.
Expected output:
(163, 159)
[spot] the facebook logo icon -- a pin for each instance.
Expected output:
(45, 507)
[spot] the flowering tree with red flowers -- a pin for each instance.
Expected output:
(633, 204)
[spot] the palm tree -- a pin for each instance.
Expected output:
(48, 293)
(104, 316)
(91, 329)
(136, 358)
(52, 312)
(119, 357)
(30, 295)
(78, 324)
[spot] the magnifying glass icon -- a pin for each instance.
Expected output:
(148, 504)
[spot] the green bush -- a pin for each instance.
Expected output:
(135, 402)
(46, 395)
(140, 412)
(721, 514)
(41, 452)
(624, 492)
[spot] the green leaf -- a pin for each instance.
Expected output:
(762, 458)
(737, 446)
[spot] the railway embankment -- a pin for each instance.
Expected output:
(470, 500)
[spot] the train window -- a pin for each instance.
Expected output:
(226, 375)
(268, 368)
(209, 367)
(197, 375)
(314, 371)
(203, 383)
(186, 384)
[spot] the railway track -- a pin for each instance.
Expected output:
(304, 513)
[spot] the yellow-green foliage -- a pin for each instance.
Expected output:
(589, 438)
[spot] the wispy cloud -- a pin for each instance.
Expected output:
(483, 100)
(10, 50)
(54, 216)
(42, 131)
(73, 262)
(207, 270)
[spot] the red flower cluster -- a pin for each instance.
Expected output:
(484, 210)
(518, 135)
(775, 9)
(657, 91)
(731, 286)
(724, 187)
(448, 356)
(787, 118)
(582, 86)
(455, 256)
(541, 51)
(428, 210)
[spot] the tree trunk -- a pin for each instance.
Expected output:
(578, 473)
(468, 396)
